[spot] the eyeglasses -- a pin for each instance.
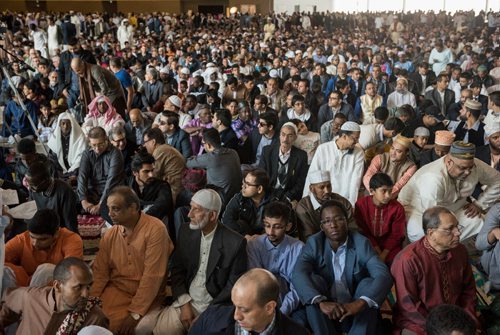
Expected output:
(164, 123)
(98, 145)
(247, 184)
(146, 141)
(463, 168)
(334, 221)
(449, 231)
(120, 140)
(262, 124)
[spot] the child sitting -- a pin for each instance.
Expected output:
(420, 138)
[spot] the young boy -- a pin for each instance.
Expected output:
(420, 139)
(381, 219)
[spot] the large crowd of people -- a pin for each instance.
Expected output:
(254, 174)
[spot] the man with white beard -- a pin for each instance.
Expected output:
(207, 261)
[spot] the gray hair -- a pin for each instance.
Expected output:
(430, 218)
(116, 131)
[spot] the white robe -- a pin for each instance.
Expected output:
(439, 60)
(345, 167)
(432, 186)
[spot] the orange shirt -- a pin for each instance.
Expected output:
(24, 259)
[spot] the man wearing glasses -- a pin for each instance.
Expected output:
(450, 182)
(432, 271)
(339, 277)
(101, 169)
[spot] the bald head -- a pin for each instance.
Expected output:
(262, 283)
(78, 66)
(135, 116)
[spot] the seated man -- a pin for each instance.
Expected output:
(381, 218)
(131, 265)
(174, 135)
(154, 193)
(30, 257)
(221, 121)
(67, 146)
(221, 164)
(54, 194)
(285, 164)
(396, 163)
(442, 145)
(340, 278)
(136, 125)
(308, 208)
(101, 169)
(277, 252)
(265, 134)
(487, 241)
(169, 163)
(490, 154)
(118, 138)
(434, 270)
(243, 212)
(450, 182)
(255, 298)
(417, 147)
(449, 320)
(206, 263)
(63, 308)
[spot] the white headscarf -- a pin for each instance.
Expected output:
(77, 143)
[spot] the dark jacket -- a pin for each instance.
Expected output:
(449, 98)
(417, 78)
(227, 261)
(427, 157)
(65, 71)
(484, 153)
(229, 139)
(156, 197)
(219, 320)
(180, 141)
(296, 173)
(255, 138)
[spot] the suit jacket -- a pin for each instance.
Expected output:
(484, 154)
(365, 274)
(417, 78)
(130, 131)
(449, 98)
(227, 261)
(297, 169)
(241, 94)
(180, 141)
(255, 138)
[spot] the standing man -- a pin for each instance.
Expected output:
(131, 265)
(115, 64)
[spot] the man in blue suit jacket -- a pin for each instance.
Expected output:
(339, 277)
(174, 135)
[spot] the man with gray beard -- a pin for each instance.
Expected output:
(207, 261)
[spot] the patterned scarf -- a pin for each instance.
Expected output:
(75, 319)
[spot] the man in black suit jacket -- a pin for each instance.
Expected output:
(174, 135)
(441, 96)
(422, 78)
(206, 263)
(255, 305)
(285, 164)
(265, 134)
(486, 152)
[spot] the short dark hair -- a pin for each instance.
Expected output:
(475, 84)
(212, 137)
(62, 270)
(333, 203)
(116, 62)
(339, 94)
(296, 98)
(39, 169)
(128, 196)
(224, 115)
(380, 179)
(304, 80)
(277, 209)
(430, 218)
(381, 113)
(394, 124)
(340, 116)
(341, 84)
(44, 222)
(441, 76)
(262, 98)
(270, 117)
(261, 178)
(26, 146)
(495, 98)
(155, 134)
(97, 133)
(139, 159)
(446, 318)
(172, 118)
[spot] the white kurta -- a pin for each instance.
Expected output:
(53, 41)
(396, 99)
(432, 186)
(439, 60)
(345, 167)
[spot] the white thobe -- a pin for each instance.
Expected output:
(432, 186)
(439, 60)
(345, 167)
(396, 99)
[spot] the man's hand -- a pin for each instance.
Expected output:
(94, 210)
(187, 316)
(86, 205)
(353, 308)
(332, 309)
(128, 326)
(494, 235)
(472, 210)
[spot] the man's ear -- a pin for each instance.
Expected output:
(270, 307)
(289, 226)
(57, 285)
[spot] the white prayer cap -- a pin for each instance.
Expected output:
(164, 70)
(211, 65)
(175, 100)
(319, 176)
(492, 128)
(422, 131)
(273, 73)
(350, 126)
(94, 330)
(185, 70)
(291, 125)
(208, 199)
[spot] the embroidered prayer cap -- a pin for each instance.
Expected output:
(492, 128)
(482, 68)
(444, 137)
(176, 101)
(208, 199)
(319, 176)
(404, 141)
(422, 131)
(462, 150)
(350, 126)
(473, 104)
(291, 125)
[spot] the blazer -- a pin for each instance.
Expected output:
(227, 261)
(180, 141)
(417, 78)
(297, 169)
(366, 275)
(255, 138)
(484, 153)
(449, 98)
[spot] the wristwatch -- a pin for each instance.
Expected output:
(135, 316)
